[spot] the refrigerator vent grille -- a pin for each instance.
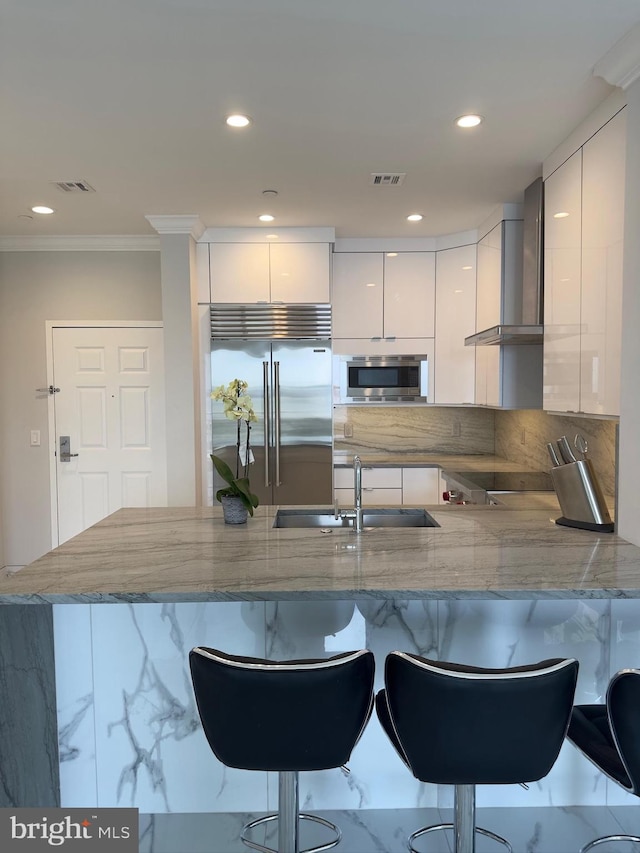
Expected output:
(264, 322)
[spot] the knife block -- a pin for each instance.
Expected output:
(580, 496)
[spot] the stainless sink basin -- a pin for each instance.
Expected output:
(325, 518)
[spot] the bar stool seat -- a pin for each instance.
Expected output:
(609, 736)
(283, 716)
(466, 726)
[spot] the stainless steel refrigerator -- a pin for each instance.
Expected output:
(290, 386)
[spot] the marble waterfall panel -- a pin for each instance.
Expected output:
(73, 642)
(512, 633)
(151, 751)
(377, 778)
(130, 735)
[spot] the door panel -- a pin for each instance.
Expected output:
(305, 451)
(111, 405)
(240, 360)
(300, 472)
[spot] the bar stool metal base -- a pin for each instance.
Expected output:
(607, 838)
(289, 818)
(464, 824)
(302, 816)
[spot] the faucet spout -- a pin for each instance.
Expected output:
(357, 489)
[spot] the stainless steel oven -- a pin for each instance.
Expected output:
(388, 378)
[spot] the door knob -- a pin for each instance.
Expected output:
(65, 448)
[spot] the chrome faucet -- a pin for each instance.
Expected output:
(357, 490)
(356, 512)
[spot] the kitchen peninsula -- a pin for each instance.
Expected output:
(492, 586)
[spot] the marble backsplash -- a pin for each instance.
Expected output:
(413, 429)
(537, 428)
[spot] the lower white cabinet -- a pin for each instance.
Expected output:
(386, 486)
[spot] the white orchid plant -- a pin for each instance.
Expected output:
(238, 407)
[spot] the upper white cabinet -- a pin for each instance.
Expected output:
(262, 272)
(455, 364)
(357, 299)
(489, 309)
(383, 297)
(584, 226)
(603, 185)
(562, 286)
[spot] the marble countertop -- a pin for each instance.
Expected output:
(189, 554)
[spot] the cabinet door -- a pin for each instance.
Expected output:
(489, 283)
(562, 286)
(357, 298)
(409, 294)
(420, 485)
(455, 364)
(300, 272)
(603, 184)
(239, 272)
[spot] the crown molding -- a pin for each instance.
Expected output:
(187, 224)
(620, 66)
(81, 243)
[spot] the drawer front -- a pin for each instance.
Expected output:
(372, 478)
(370, 497)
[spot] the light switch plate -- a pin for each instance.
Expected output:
(35, 438)
(348, 430)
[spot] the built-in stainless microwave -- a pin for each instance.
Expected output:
(384, 379)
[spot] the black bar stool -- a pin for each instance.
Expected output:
(609, 736)
(466, 726)
(283, 716)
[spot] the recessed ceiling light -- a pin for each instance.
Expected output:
(41, 208)
(467, 268)
(562, 215)
(238, 120)
(392, 254)
(414, 217)
(272, 236)
(371, 284)
(266, 217)
(468, 120)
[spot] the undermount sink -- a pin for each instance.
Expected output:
(325, 518)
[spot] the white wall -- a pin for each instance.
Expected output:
(36, 287)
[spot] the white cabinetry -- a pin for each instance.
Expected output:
(262, 272)
(603, 184)
(385, 486)
(455, 364)
(562, 286)
(383, 299)
(583, 276)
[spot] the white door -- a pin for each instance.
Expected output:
(111, 406)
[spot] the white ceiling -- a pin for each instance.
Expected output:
(131, 96)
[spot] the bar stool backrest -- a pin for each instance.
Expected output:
(623, 708)
(282, 715)
(463, 725)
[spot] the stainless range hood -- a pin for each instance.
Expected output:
(530, 330)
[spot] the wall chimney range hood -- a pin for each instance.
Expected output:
(530, 330)
(506, 335)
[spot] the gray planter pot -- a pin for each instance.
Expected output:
(233, 510)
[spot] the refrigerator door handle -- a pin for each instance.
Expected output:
(276, 407)
(267, 411)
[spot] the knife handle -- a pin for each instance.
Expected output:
(565, 450)
(554, 456)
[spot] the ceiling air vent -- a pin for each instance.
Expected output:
(387, 179)
(74, 186)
